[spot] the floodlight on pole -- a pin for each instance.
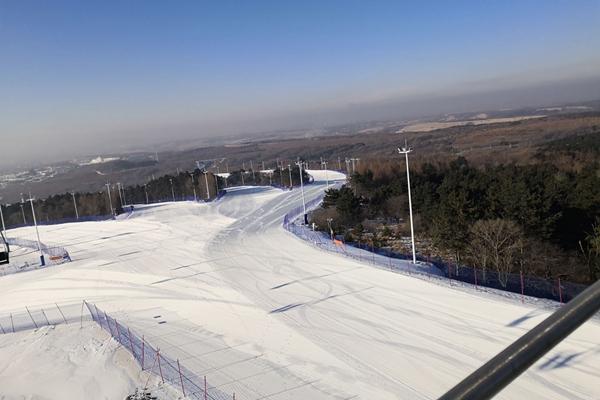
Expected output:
(112, 211)
(299, 164)
(37, 232)
(75, 205)
(405, 150)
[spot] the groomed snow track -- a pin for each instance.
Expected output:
(226, 290)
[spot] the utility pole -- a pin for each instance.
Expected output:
(193, 187)
(347, 166)
(299, 164)
(263, 165)
(405, 150)
(112, 211)
(75, 205)
(207, 189)
(37, 232)
(146, 192)
(252, 168)
(290, 171)
(172, 190)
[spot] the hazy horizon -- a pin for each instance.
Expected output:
(88, 78)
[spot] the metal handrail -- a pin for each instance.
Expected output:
(501, 370)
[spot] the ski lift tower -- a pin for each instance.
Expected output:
(405, 150)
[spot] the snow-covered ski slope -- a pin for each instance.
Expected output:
(224, 288)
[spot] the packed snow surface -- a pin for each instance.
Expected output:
(224, 288)
(67, 362)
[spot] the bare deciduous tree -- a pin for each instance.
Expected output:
(496, 243)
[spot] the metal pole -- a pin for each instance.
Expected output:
(299, 164)
(290, 171)
(252, 169)
(172, 190)
(37, 232)
(146, 192)
(75, 205)
(405, 150)
(501, 370)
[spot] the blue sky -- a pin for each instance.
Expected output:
(78, 69)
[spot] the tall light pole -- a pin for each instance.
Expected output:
(405, 150)
(172, 190)
(339, 164)
(75, 205)
(299, 164)
(2, 218)
(194, 187)
(324, 166)
(206, 181)
(23, 210)
(112, 211)
(37, 232)
(252, 168)
(146, 192)
(120, 196)
(290, 171)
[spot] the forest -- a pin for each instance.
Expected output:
(541, 218)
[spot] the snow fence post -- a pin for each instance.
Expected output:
(475, 274)
(205, 394)
(61, 313)
(180, 377)
(30, 316)
(12, 323)
(159, 366)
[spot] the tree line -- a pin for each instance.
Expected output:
(182, 186)
(539, 219)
